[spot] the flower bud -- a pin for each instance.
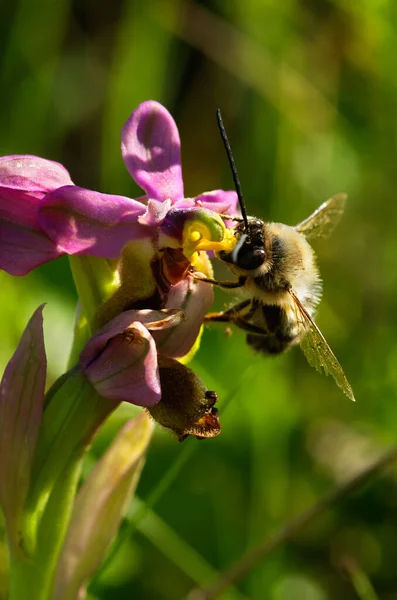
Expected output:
(120, 360)
(126, 367)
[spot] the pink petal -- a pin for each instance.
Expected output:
(23, 182)
(156, 213)
(80, 220)
(150, 146)
(151, 319)
(22, 250)
(220, 201)
(23, 244)
(194, 298)
(32, 173)
(126, 368)
(21, 406)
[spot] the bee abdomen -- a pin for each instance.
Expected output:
(282, 331)
(272, 344)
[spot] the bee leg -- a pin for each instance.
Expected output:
(229, 315)
(250, 328)
(227, 285)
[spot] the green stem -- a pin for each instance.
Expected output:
(133, 517)
(269, 544)
(82, 332)
(95, 280)
(32, 577)
(359, 579)
(72, 415)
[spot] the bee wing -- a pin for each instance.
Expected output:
(318, 352)
(324, 220)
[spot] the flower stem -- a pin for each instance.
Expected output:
(31, 577)
(72, 415)
(95, 280)
(359, 579)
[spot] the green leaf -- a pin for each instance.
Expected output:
(21, 407)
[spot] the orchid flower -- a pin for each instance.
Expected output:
(44, 215)
(135, 264)
(132, 359)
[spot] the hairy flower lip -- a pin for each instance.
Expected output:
(186, 406)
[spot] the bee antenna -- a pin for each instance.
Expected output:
(233, 168)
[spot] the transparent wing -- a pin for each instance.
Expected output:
(317, 351)
(324, 220)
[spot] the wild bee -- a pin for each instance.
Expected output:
(279, 282)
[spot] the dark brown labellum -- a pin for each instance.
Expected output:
(186, 406)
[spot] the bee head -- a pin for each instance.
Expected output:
(249, 252)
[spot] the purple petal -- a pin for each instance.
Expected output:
(21, 406)
(151, 319)
(150, 146)
(156, 213)
(126, 367)
(23, 182)
(23, 244)
(80, 220)
(32, 173)
(194, 297)
(21, 250)
(220, 201)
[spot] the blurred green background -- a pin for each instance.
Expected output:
(308, 91)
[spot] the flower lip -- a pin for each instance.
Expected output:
(186, 406)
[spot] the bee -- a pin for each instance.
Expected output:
(279, 282)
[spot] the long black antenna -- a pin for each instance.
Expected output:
(233, 168)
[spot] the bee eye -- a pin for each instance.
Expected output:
(250, 258)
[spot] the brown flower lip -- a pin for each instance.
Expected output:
(186, 406)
